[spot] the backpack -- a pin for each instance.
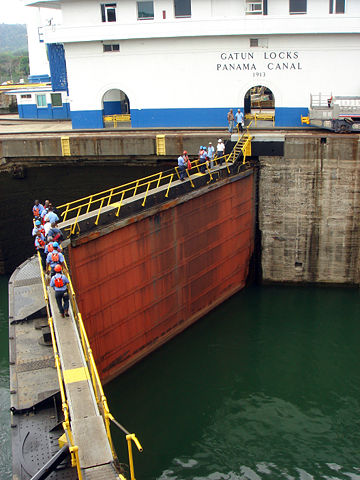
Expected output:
(59, 282)
(55, 257)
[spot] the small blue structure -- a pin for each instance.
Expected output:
(41, 102)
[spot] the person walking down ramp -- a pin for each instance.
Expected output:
(54, 258)
(182, 167)
(239, 116)
(58, 283)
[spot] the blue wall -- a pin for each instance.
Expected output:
(87, 119)
(49, 112)
(181, 117)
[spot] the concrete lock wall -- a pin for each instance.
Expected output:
(309, 211)
(147, 280)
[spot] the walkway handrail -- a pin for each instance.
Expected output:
(116, 195)
(95, 378)
(64, 403)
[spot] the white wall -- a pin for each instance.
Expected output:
(182, 73)
(39, 17)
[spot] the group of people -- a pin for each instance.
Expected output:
(238, 117)
(205, 160)
(48, 238)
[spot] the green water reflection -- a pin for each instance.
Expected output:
(266, 386)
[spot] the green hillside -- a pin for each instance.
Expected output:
(14, 60)
(13, 38)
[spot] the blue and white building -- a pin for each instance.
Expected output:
(184, 63)
(46, 94)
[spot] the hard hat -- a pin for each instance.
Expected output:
(58, 268)
(37, 222)
(210, 143)
(55, 244)
(219, 140)
(185, 152)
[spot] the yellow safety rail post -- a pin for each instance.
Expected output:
(98, 215)
(130, 437)
(188, 174)
(143, 203)
(136, 187)
(305, 120)
(120, 204)
(167, 191)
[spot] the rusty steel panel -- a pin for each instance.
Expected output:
(141, 284)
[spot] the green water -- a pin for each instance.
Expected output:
(267, 386)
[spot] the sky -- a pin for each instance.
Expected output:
(12, 11)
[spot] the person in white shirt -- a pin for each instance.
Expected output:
(220, 150)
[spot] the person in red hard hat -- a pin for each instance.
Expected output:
(59, 283)
(186, 159)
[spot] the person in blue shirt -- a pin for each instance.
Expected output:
(51, 216)
(55, 233)
(54, 258)
(40, 247)
(38, 228)
(211, 153)
(239, 117)
(202, 159)
(59, 283)
(182, 167)
(37, 209)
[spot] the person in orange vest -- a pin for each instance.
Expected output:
(58, 283)
(38, 228)
(54, 258)
(187, 160)
(40, 247)
(37, 209)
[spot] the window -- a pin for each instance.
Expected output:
(113, 47)
(259, 42)
(108, 12)
(339, 6)
(41, 101)
(182, 8)
(297, 6)
(145, 10)
(256, 7)
(27, 95)
(56, 100)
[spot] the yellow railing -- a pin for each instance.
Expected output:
(305, 120)
(261, 116)
(95, 380)
(114, 197)
(64, 404)
(123, 117)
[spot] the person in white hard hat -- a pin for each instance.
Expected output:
(220, 149)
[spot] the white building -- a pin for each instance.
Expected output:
(184, 63)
